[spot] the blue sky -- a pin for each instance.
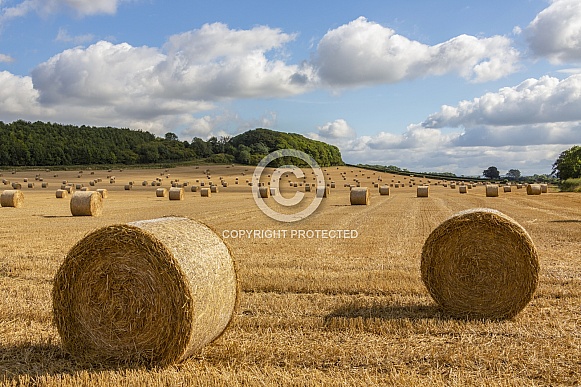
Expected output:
(453, 86)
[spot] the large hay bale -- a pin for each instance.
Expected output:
(12, 198)
(61, 193)
(161, 193)
(480, 264)
(423, 191)
(359, 196)
(151, 292)
(176, 193)
(205, 192)
(86, 203)
(534, 189)
(264, 192)
(491, 190)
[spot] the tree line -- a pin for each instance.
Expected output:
(24, 143)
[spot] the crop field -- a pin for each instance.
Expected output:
(314, 310)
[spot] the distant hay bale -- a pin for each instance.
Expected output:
(323, 192)
(463, 189)
(491, 190)
(422, 191)
(16, 185)
(194, 188)
(92, 183)
(480, 264)
(12, 198)
(128, 187)
(214, 188)
(78, 186)
(61, 194)
(103, 192)
(544, 188)
(273, 191)
(263, 192)
(44, 184)
(507, 188)
(144, 183)
(176, 193)
(86, 203)
(205, 193)
(152, 292)
(534, 189)
(161, 192)
(359, 196)
(84, 188)
(384, 190)
(30, 185)
(519, 186)
(307, 188)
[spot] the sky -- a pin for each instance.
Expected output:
(431, 86)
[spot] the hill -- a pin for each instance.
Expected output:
(24, 143)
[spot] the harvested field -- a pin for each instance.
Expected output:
(313, 311)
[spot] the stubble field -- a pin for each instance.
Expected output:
(314, 311)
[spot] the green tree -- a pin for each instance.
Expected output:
(491, 173)
(513, 174)
(568, 164)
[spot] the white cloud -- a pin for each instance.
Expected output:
(533, 101)
(555, 33)
(336, 130)
(6, 58)
(365, 53)
(64, 36)
(47, 7)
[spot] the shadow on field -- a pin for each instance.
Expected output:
(565, 221)
(387, 312)
(31, 361)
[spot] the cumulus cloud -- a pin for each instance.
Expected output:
(6, 58)
(555, 33)
(533, 101)
(47, 7)
(364, 53)
(64, 36)
(336, 130)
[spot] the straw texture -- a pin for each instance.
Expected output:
(480, 264)
(86, 203)
(359, 196)
(12, 198)
(151, 292)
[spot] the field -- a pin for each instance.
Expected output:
(314, 311)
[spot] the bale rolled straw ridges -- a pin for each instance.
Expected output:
(480, 264)
(359, 196)
(152, 292)
(12, 198)
(86, 203)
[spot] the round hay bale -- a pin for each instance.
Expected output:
(264, 192)
(144, 183)
(491, 190)
(12, 198)
(384, 190)
(103, 192)
(273, 191)
(205, 192)
(463, 189)
(128, 187)
(84, 188)
(307, 188)
(161, 192)
(507, 188)
(16, 185)
(214, 188)
(86, 203)
(176, 193)
(480, 264)
(194, 188)
(534, 189)
(30, 185)
(151, 292)
(544, 188)
(61, 193)
(44, 184)
(423, 191)
(359, 196)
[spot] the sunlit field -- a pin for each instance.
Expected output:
(314, 311)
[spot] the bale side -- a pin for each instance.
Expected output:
(480, 264)
(103, 192)
(12, 198)
(176, 193)
(384, 190)
(359, 196)
(263, 192)
(205, 192)
(161, 192)
(423, 191)
(150, 292)
(491, 190)
(61, 193)
(534, 189)
(86, 203)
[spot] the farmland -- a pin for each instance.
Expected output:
(314, 310)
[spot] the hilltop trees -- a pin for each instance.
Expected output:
(568, 164)
(491, 173)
